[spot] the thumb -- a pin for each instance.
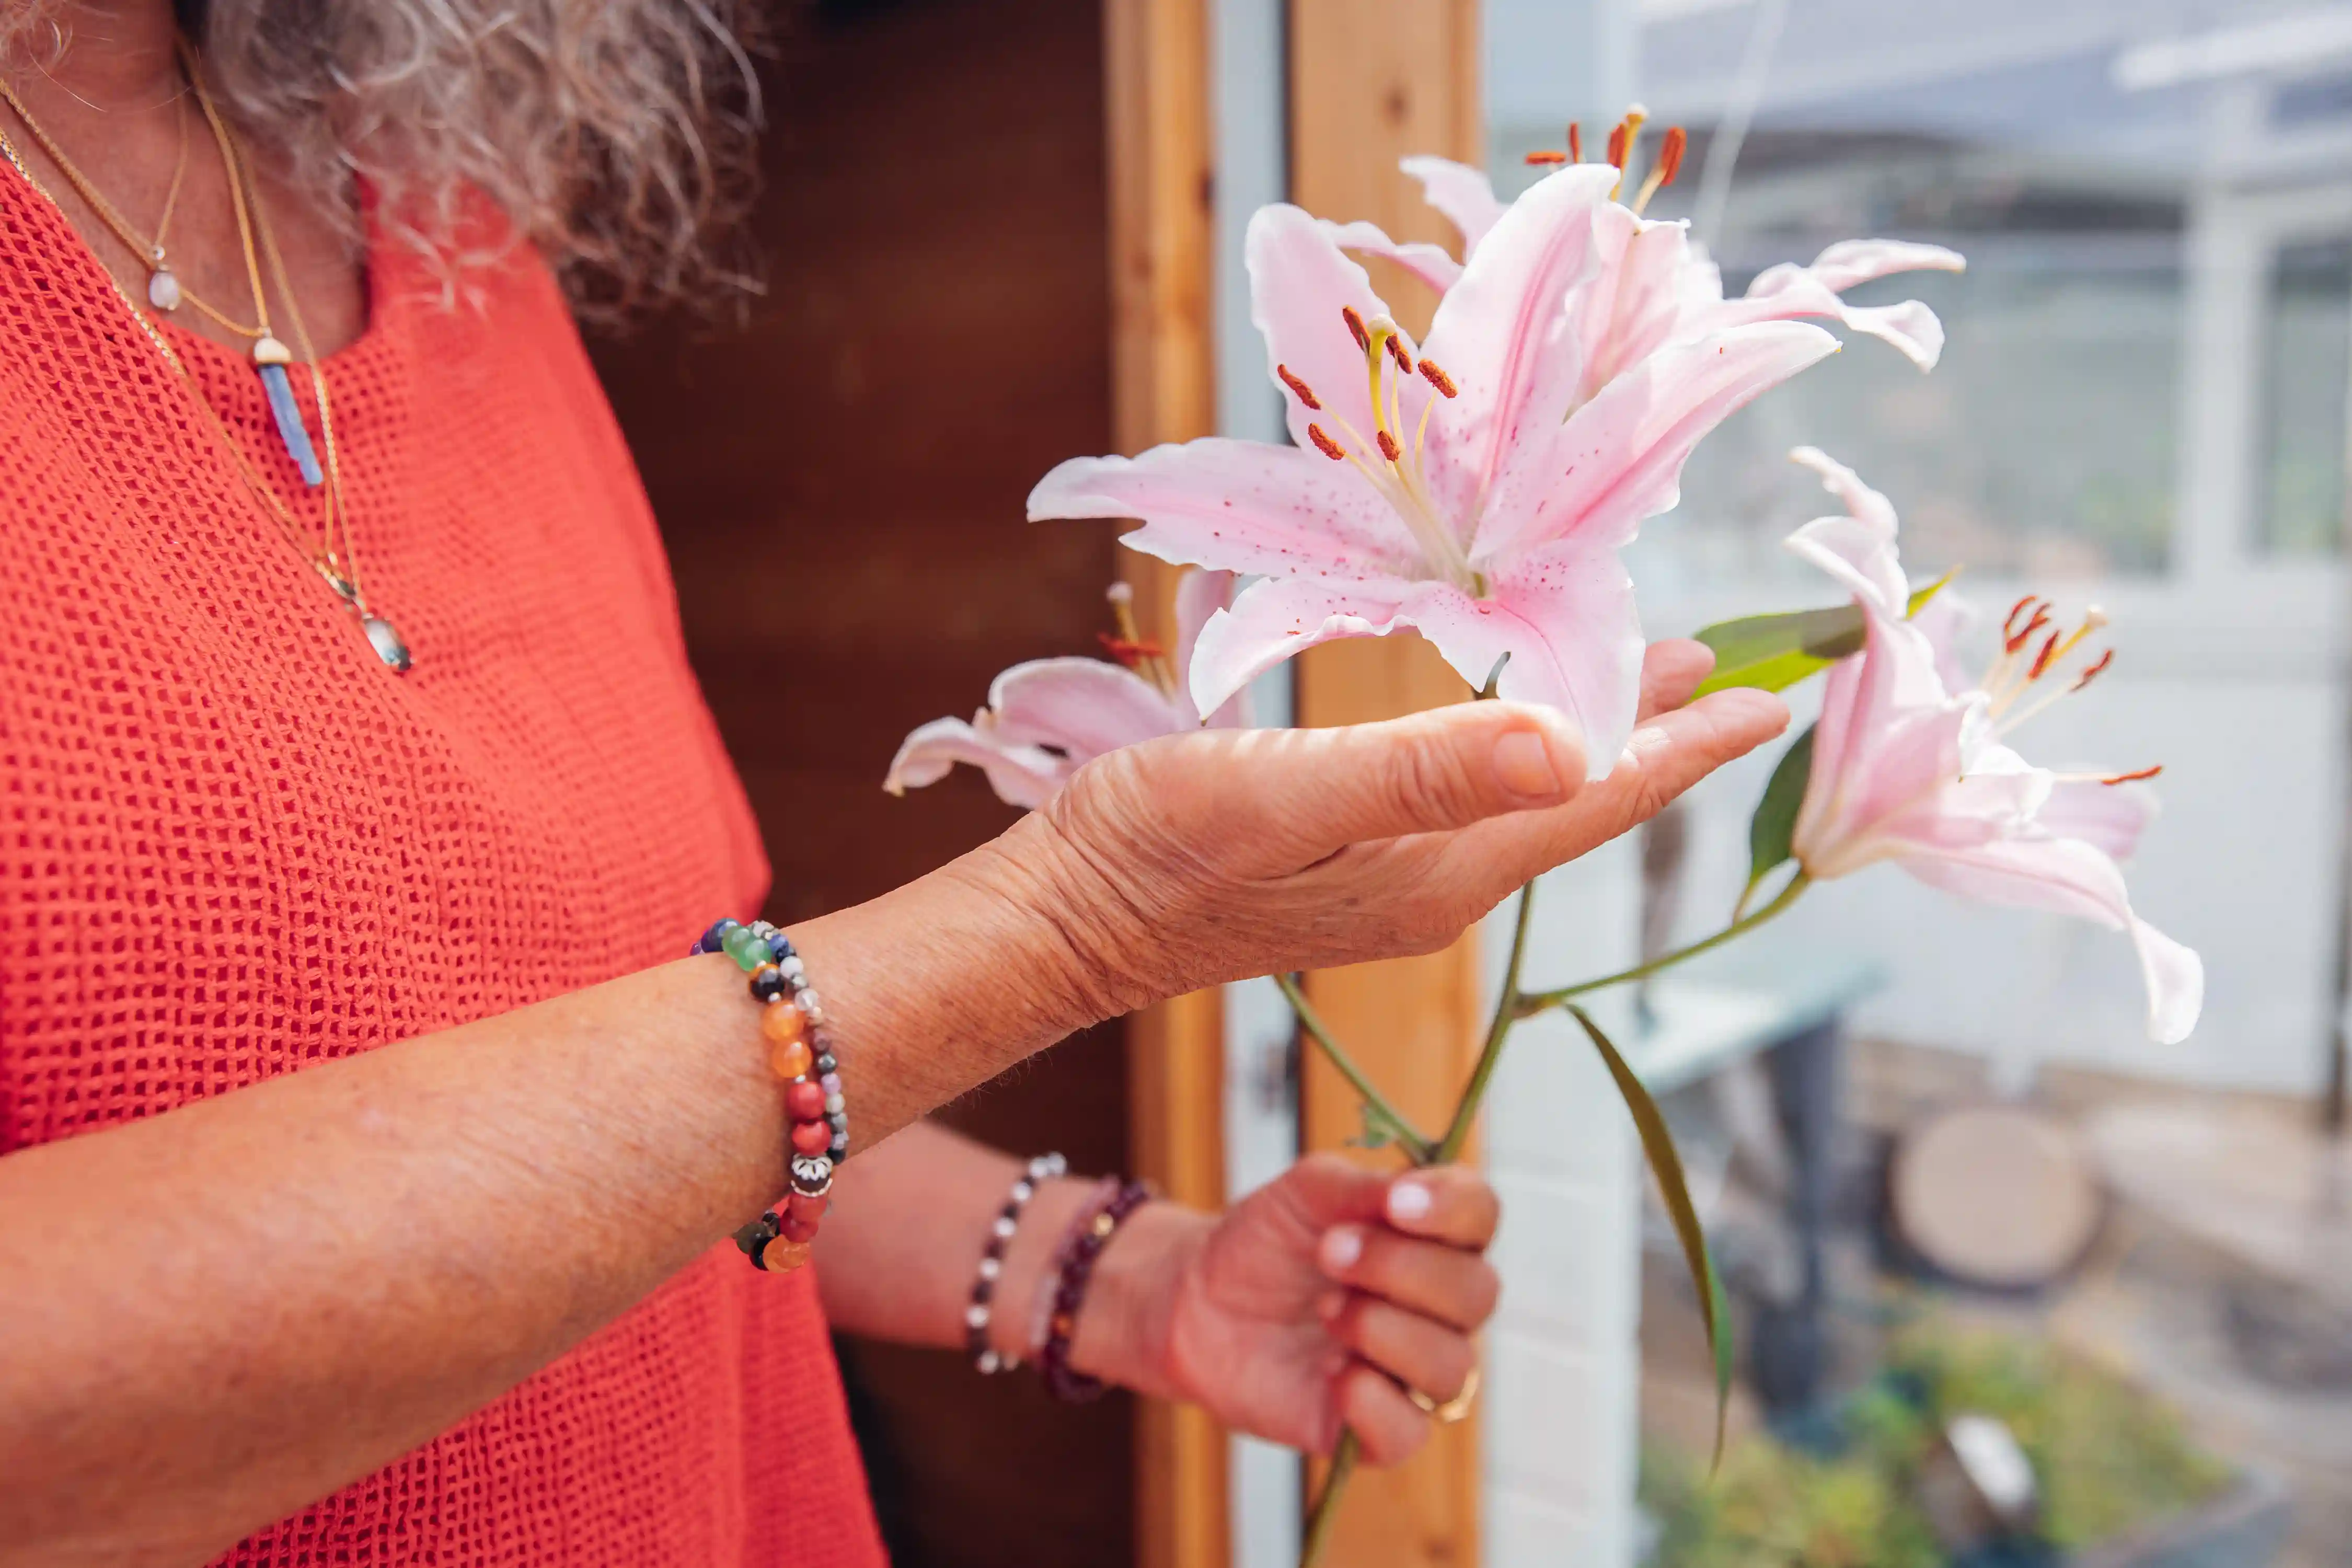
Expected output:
(1317, 791)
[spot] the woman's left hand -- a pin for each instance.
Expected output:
(1318, 1300)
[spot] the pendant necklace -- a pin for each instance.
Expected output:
(336, 563)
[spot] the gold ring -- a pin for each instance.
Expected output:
(1453, 1409)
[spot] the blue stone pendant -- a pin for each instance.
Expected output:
(271, 358)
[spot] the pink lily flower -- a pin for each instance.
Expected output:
(1652, 285)
(1459, 489)
(1048, 718)
(1911, 768)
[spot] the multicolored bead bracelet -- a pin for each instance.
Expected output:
(1074, 1270)
(793, 1020)
(977, 1316)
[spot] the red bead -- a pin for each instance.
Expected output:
(803, 1207)
(805, 1100)
(798, 1230)
(812, 1137)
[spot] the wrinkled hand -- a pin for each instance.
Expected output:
(1220, 854)
(1310, 1301)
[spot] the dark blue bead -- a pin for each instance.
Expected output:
(781, 946)
(715, 935)
(767, 985)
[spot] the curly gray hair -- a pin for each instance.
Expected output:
(616, 136)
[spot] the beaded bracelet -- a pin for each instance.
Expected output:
(793, 1020)
(1074, 1268)
(984, 1356)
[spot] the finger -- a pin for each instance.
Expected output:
(1315, 791)
(1451, 1204)
(1665, 757)
(1383, 1420)
(1671, 671)
(1426, 1277)
(1416, 1350)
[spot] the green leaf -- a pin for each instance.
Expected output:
(1770, 830)
(1658, 1146)
(1771, 653)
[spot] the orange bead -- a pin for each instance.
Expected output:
(783, 1257)
(782, 1023)
(791, 1059)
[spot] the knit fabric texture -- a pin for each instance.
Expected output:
(233, 844)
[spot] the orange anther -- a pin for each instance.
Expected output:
(2009, 622)
(1575, 143)
(1356, 326)
(1670, 156)
(1617, 144)
(1389, 448)
(1546, 156)
(1129, 651)
(2041, 661)
(2134, 778)
(2095, 670)
(2024, 634)
(1438, 378)
(1396, 353)
(1305, 393)
(1325, 445)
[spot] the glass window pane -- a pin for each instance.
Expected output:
(2308, 345)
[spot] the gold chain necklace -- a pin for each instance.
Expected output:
(338, 567)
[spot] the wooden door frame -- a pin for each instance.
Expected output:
(1370, 81)
(1160, 141)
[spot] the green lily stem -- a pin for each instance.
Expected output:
(1538, 1002)
(1414, 1145)
(1457, 1134)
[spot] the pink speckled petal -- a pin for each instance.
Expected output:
(1020, 776)
(1238, 506)
(1278, 618)
(1430, 263)
(1299, 280)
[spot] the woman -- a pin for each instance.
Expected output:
(366, 1149)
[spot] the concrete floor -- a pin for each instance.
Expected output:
(2221, 1279)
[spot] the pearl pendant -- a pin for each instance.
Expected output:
(385, 639)
(164, 290)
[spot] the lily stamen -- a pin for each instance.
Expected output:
(1575, 143)
(2134, 778)
(1670, 162)
(1543, 157)
(1303, 393)
(1130, 648)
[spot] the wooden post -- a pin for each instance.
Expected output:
(1163, 374)
(1372, 81)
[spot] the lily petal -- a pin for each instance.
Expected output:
(1020, 776)
(1858, 550)
(1618, 459)
(1638, 297)
(1779, 294)
(1430, 263)
(1299, 282)
(2069, 877)
(2110, 818)
(1080, 706)
(1503, 334)
(1200, 595)
(1277, 619)
(1238, 506)
(1566, 616)
(1463, 194)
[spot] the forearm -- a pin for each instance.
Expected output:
(911, 1222)
(216, 1315)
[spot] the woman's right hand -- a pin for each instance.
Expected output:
(1221, 854)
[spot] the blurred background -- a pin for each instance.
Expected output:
(1948, 1175)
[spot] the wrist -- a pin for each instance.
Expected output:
(1125, 1326)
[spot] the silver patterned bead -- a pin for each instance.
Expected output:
(990, 1267)
(975, 1316)
(811, 1006)
(812, 1174)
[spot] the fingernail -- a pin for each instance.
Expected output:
(1343, 1246)
(1409, 1200)
(1523, 763)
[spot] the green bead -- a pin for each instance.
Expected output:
(748, 951)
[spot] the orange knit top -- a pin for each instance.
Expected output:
(234, 844)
